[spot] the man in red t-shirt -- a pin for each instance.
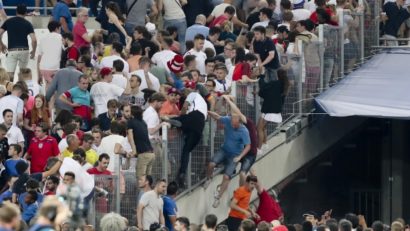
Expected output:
(42, 147)
(268, 209)
(81, 37)
(243, 70)
(70, 52)
(226, 16)
(321, 4)
(102, 183)
(101, 169)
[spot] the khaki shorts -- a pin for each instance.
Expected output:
(17, 57)
(144, 164)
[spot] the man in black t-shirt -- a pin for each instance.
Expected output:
(139, 140)
(265, 49)
(4, 144)
(18, 28)
(396, 14)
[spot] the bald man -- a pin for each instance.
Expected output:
(198, 28)
(236, 145)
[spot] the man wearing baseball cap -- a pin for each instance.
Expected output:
(176, 66)
(170, 107)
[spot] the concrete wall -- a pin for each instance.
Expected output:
(284, 159)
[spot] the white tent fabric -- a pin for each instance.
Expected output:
(379, 88)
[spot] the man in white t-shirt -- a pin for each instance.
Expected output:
(222, 85)
(105, 90)
(151, 115)
(193, 116)
(153, 121)
(148, 80)
(162, 57)
(49, 56)
(174, 16)
(150, 207)
(14, 103)
(300, 13)
(200, 56)
(115, 54)
(118, 77)
(108, 145)
(14, 134)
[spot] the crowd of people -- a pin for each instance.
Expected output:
(104, 95)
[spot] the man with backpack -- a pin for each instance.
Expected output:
(136, 11)
(70, 52)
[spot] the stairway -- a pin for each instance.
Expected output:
(288, 152)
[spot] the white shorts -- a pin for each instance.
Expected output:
(14, 57)
(272, 117)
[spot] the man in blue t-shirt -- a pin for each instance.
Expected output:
(61, 13)
(236, 145)
(170, 206)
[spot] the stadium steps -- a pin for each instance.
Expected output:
(288, 151)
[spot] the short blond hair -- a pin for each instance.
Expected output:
(9, 212)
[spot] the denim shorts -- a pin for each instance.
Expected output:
(247, 162)
(221, 157)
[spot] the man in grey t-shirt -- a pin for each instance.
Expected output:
(136, 12)
(151, 205)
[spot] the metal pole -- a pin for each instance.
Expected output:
(321, 54)
(361, 34)
(189, 172)
(342, 47)
(377, 19)
(212, 136)
(257, 101)
(117, 190)
(165, 152)
(301, 77)
(234, 89)
(45, 7)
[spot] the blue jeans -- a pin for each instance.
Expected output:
(221, 157)
(247, 162)
(181, 26)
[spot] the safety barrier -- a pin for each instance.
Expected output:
(311, 67)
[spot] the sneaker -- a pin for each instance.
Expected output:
(264, 148)
(216, 203)
(181, 181)
(207, 183)
(259, 152)
(217, 191)
(275, 195)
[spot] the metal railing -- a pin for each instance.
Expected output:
(317, 66)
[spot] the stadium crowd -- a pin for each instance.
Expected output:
(104, 95)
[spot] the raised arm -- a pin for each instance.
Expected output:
(214, 115)
(234, 108)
